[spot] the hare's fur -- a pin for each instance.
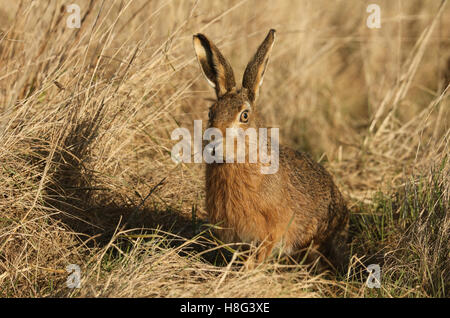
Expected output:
(295, 208)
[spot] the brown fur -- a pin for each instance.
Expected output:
(294, 208)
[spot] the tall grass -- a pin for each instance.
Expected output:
(86, 114)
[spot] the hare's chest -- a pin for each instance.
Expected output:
(228, 197)
(238, 205)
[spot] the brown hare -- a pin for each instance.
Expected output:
(298, 206)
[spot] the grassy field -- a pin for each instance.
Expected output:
(85, 120)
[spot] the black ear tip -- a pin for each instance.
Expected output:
(200, 36)
(271, 34)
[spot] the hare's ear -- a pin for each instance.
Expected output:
(254, 73)
(215, 67)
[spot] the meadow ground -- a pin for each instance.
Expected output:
(86, 114)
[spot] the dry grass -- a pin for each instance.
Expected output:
(85, 122)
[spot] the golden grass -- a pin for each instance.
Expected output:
(86, 116)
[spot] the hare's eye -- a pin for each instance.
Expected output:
(210, 114)
(244, 116)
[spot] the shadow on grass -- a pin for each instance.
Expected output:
(74, 191)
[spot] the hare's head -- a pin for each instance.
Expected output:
(235, 107)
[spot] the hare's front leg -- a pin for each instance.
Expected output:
(264, 251)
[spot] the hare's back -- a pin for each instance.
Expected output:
(305, 177)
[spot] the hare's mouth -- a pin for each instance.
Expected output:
(216, 153)
(214, 147)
